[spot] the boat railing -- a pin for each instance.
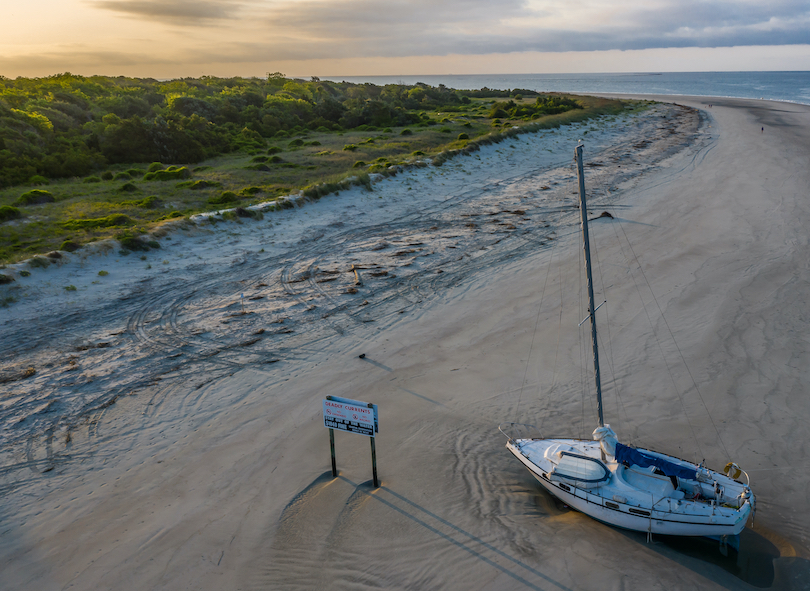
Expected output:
(733, 471)
(508, 429)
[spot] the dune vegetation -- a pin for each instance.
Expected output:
(84, 158)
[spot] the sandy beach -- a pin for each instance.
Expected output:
(172, 436)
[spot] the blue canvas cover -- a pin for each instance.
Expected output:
(629, 456)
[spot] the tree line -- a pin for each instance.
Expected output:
(69, 126)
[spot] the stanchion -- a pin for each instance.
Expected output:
(374, 458)
(332, 447)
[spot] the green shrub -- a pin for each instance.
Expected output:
(107, 175)
(150, 202)
(202, 168)
(463, 136)
(259, 159)
(247, 213)
(170, 174)
(296, 143)
(350, 147)
(4, 279)
(318, 191)
(154, 167)
(38, 179)
(25, 273)
(133, 172)
(9, 213)
(103, 273)
(445, 130)
(110, 221)
(224, 199)
(131, 243)
(197, 185)
(34, 197)
(275, 159)
(70, 246)
(127, 188)
(359, 164)
(122, 176)
(417, 153)
(313, 143)
(39, 263)
(250, 191)
(281, 133)
(406, 131)
(273, 150)
(172, 215)
(365, 181)
(92, 179)
(70, 288)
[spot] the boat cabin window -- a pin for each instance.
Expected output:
(581, 468)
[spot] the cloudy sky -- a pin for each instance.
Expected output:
(172, 38)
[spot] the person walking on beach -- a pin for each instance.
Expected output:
(763, 130)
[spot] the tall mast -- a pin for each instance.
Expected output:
(583, 210)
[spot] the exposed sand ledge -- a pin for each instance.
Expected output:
(212, 475)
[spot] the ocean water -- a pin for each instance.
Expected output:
(779, 86)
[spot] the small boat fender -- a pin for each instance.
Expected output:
(732, 470)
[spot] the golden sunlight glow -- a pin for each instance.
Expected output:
(175, 38)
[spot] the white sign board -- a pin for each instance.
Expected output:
(352, 416)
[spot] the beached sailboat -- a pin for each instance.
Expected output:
(632, 488)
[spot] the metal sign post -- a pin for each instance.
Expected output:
(374, 463)
(332, 447)
(353, 416)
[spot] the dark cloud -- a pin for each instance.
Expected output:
(377, 28)
(340, 29)
(352, 15)
(176, 12)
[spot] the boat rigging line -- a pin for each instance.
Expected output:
(537, 319)
(636, 260)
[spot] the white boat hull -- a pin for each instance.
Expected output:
(641, 511)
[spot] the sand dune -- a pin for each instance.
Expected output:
(197, 456)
